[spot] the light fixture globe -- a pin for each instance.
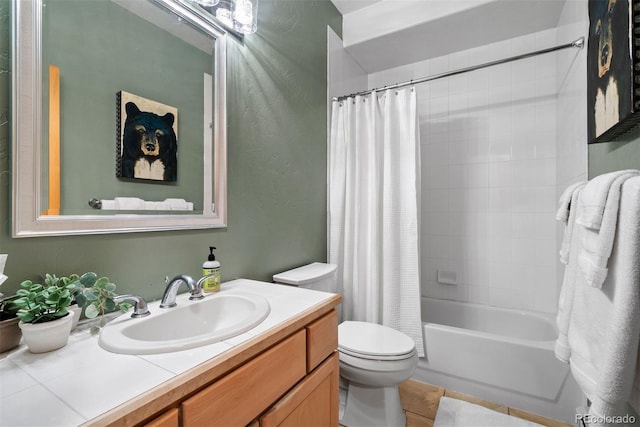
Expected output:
(245, 16)
(224, 12)
(207, 3)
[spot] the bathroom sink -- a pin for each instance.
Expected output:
(190, 324)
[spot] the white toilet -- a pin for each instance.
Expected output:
(374, 359)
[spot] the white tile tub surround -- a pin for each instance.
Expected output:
(81, 380)
(571, 165)
(489, 174)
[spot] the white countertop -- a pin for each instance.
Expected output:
(80, 381)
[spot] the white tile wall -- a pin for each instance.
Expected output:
(571, 117)
(489, 183)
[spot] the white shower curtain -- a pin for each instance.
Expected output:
(374, 178)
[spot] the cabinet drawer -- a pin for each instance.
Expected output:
(322, 339)
(239, 397)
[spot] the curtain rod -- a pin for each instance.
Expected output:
(579, 43)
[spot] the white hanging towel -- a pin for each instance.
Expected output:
(604, 323)
(570, 245)
(595, 197)
(565, 201)
(565, 214)
(598, 213)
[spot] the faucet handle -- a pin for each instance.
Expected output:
(140, 308)
(199, 283)
(197, 292)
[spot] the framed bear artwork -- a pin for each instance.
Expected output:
(147, 144)
(613, 68)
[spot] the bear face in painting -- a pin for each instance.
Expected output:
(609, 64)
(149, 145)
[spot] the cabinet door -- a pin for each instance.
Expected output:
(242, 395)
(313, 402)
(169, 419)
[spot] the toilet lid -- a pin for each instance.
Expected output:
(306, 274)
(372, 341)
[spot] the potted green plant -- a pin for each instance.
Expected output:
(10, 333)
(65, 282)
(97, 295)
(44, 315)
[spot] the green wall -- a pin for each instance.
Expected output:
(624, 153)
(277, 95)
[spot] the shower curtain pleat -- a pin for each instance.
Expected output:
(374, 171)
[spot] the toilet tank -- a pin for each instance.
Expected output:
(318, 276)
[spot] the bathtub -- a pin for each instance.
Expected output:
(501, 355)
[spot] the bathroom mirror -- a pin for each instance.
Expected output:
(93, 79)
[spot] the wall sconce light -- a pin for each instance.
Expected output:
(240, 16)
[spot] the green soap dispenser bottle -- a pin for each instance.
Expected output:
(211, 266)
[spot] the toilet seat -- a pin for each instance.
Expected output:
(371, 341)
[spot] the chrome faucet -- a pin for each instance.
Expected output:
(171, 291)
(140, 308)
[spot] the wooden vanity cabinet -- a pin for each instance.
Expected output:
(292, 383)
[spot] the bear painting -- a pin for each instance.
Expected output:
(609, 66)
(149, 147)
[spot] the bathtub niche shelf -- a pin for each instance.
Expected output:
(447, 277)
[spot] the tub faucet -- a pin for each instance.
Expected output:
(140, 308)
(171, 291)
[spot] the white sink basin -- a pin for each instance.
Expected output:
(189, 324)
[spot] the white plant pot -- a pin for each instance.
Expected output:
(47, 336)
(75, 312)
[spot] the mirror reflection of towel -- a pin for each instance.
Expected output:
(137, 204)
(129, 203)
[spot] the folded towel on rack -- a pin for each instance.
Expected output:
(106, 205)
(567, 215)
(598, 242)
(156, 206)
(565, 201)
(129, 203)
(137, 204)
(179, 204)
(596, 193)
(604, 323)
